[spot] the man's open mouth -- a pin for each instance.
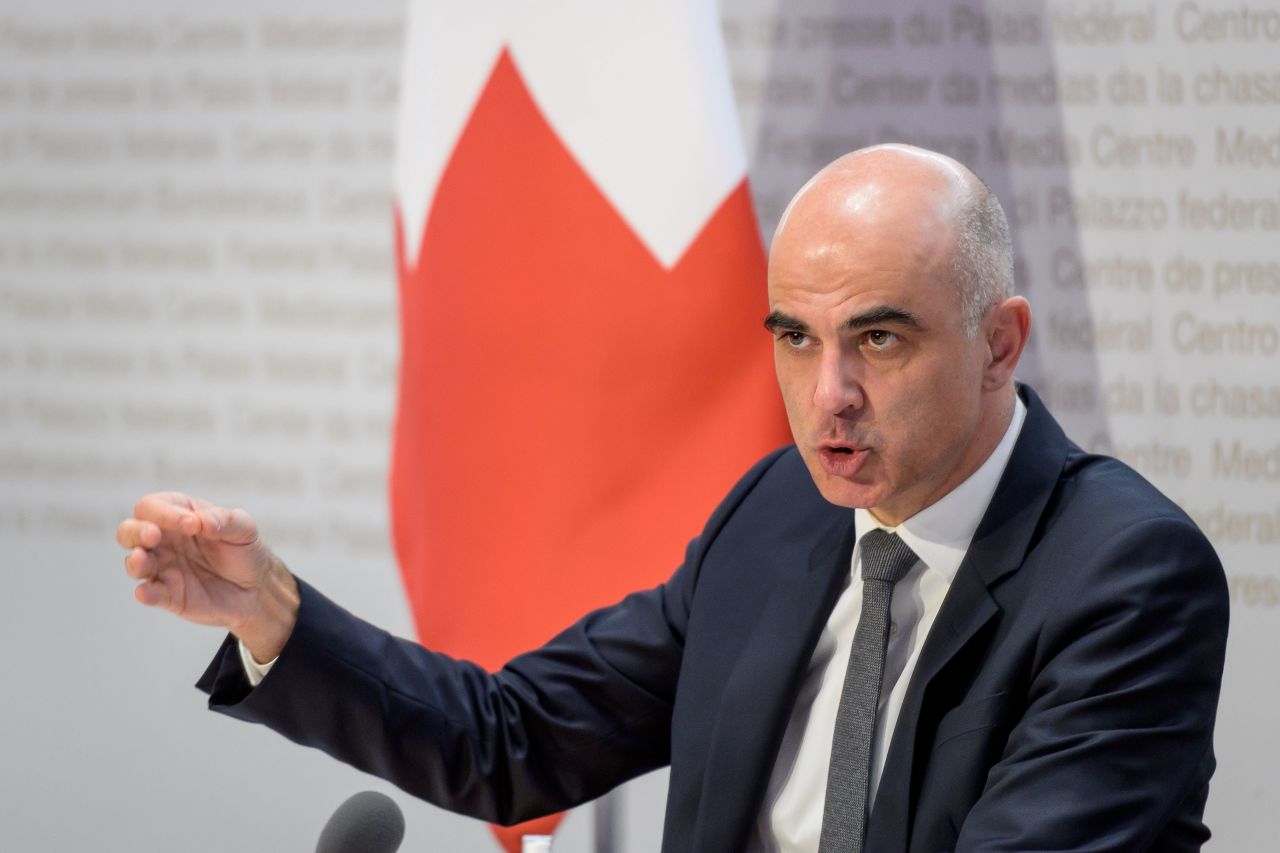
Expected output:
(842, 460)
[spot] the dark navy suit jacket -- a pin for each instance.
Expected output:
(1064, 699)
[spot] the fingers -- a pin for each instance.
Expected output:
(228, 525)
(132, 533)
(189, 516)
(140, 564)
(169, 511)
(152, 593)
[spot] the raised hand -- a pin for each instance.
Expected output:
(208, 565)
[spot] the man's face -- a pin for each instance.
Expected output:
(882, 388)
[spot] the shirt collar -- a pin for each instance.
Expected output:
(940, 533)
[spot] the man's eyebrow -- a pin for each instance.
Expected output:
(779, 322)
(880, 316)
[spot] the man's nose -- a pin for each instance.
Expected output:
(837, 388)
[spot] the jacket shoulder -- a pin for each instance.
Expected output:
(1111, 496)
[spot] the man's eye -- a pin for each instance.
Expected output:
(796, 340)
(881, 340)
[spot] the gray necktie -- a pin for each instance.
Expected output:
(885, 559)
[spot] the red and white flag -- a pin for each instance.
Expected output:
(583, 371)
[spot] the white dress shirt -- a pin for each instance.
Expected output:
(253, 670)
(790, 819)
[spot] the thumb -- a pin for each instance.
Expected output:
(233, 526)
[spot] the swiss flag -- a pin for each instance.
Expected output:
(583, 372)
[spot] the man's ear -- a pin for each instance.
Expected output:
(1006, 328)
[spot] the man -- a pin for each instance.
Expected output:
(1055, 627)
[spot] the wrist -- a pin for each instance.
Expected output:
(267, 630)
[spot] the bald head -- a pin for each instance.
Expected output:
(940, 215)
(895, 337)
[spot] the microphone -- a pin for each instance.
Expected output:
(368, 822)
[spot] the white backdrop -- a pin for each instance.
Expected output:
(197, 292)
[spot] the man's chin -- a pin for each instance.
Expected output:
(847, 493)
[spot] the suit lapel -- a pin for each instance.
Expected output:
(761, 689)
(998, 548)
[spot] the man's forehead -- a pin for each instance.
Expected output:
(894, 279)
(842, 263)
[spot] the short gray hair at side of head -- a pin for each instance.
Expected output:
(982, 261)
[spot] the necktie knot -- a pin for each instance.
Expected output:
(885, 557)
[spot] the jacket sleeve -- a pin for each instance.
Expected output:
(554, 728)
(1116, 739)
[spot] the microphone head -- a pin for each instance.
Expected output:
(367, 822)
